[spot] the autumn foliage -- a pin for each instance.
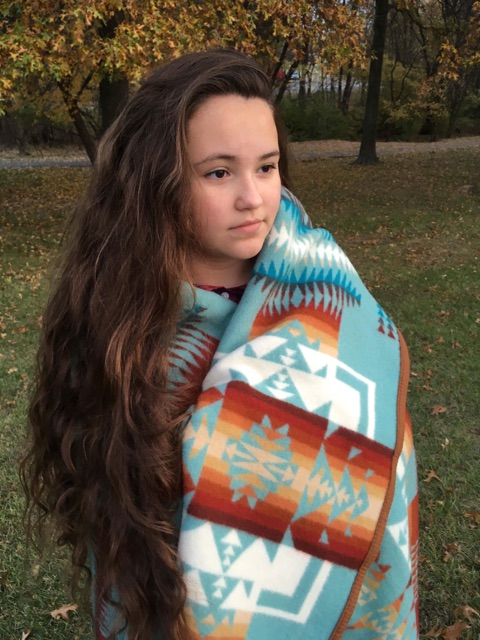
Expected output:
(74, 44)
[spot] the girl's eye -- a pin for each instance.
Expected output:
(267, 168)
(217, 173)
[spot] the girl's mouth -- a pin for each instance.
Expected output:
(249, 226)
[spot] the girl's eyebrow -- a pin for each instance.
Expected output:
(226, 156)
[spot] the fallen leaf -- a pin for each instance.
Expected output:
(453, 547)
(424, 559)
(437, 409)
(62, 612)
(450, 551)
(475, 515)
(466, 612)
(25, 634)
(455, 630)
(431, 476)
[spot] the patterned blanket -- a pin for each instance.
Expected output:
(299, 515)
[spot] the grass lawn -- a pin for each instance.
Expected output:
(414, 238)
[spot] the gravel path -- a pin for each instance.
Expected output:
(347, 149)
(49, 157)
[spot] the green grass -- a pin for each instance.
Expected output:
(416, 242)
(33, 204)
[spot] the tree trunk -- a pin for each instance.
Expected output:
(84, 132)
(113, 97)
(457, 94)
(114, 88)
(339, 88)
(86, 135)
(285, 81)
(347, 94)
(302, 88)
(347, 91)
(368, 153)
(278, 66)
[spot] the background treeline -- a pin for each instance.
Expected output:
(67, 67)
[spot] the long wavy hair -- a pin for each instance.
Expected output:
(104, 456)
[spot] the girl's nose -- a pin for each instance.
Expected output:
(248, 196)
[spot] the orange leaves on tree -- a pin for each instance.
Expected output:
(101, 37)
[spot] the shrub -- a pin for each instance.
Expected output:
(314, 117)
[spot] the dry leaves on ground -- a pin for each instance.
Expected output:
(454, 631)
(437, 409)
(466, 612)
(62, 612)
(474, 516)
(450, 550)
(431, 476)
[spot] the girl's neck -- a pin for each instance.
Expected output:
(222, 274)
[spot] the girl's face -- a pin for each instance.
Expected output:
(232, 145)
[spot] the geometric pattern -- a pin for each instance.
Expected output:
(289, 480)
(243, 574)
(299, 514)
(193, 351)
(260, 462)
(391, 622)
(376, 615)
(385, 325)
(288, 457)
(302, 373)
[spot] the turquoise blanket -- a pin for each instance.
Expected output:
(299, 515)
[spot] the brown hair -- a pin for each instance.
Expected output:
(104, 454)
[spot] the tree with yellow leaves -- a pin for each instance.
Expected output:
(78, 45)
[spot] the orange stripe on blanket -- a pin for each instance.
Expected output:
(271, 470)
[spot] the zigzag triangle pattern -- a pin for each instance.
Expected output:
(299, 514)
(330, 297)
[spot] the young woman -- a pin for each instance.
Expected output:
(219, 427)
